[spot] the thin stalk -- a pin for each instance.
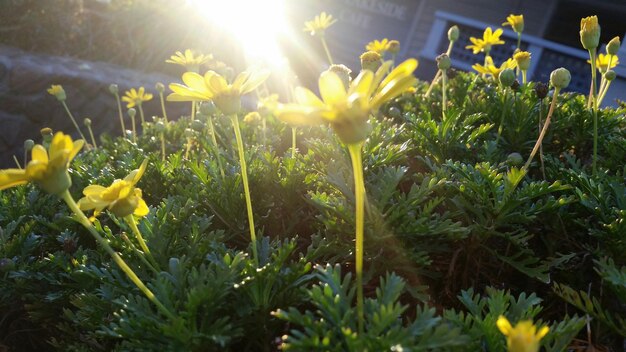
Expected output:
(17, 162)
(130, 220)
(524, 77)
(504, 107)
(217, 149)
(162, 146)
(602, 94)
(80, 216)
(119, 110)
(444, 100)
(438, 74)
(594, 106)
(330, 59)
(139, 253)
(188, 148)
(543, 130)
(93, 139)
(73, 120)
(143, 119)
(132, 118)
(543, 169)
(359, 196)
(293, 142)
(25, 157)
(193, 110)
(519, 40)
(163, 106)
(246, 188)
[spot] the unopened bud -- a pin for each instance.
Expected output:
(113, 88)
(613, 47)
(443, 62)
(371, 60)
(610, 75)
(343, 72)
(160, 87)
(46, 131)
(132, 112)
(541, 90)
(453, 33)
(590, 32)
(514, 159)
(523, 60)
(29, 144)
(560, 78)
(197, 125)
(507, 77)
(87, 121)
(393, 47)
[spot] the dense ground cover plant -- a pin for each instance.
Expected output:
(198, 243)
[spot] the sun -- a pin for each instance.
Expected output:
(256, 25)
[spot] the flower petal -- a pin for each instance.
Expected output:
(305, 97)
(332, 90)
(194, 81)
(39, 153)
(12, 177)
(255, 80)
(504, 325)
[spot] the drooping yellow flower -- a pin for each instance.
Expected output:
(524, 337)
(190, 60)
(491, 69)
(227, 97)
(136, 97)
(48, 168)
(347, 110)
(121, 198)
(318, 25)
(516, 22)
(489, 39)
(58, 92)
(379, 46)
(602, 62)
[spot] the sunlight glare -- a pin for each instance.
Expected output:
(256, 24)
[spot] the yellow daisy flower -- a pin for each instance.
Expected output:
(121, 198)
(524, 337)
(489, 39)
(602, 62)
(190, 60)
(48, 168)
(379, 46)
(516, 22)
(57, 91)
(491, 69)
(136, 97)
(227, 97)
(319, 24)
(347, 110)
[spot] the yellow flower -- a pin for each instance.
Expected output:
(190, 60)
(347, 110)
(602, 62)
(319, 24)
(136, 97)
(121, 198)
(48, 168)
(590, 32)
(493, 70)
(379, 46)
(490, 38)
(524, 337)
(227, 97)
(516, 22)
(522, 58)
(57, 91)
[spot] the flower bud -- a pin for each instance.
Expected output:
(371, 60)
(443, 62)
(46, 132)
(87, 122)
(610, 75)
(515, 86)
(514, 159)
(453, 33)
(523, 60)
(113, 88)
(160, 87)
(613, 47)
(132, 112)
(393, 47)
(507, 77)
(252, 117)
(541, 90)
(58, 92)
(29, 144)
(560, 78)
(343, 72)
(207, 108)
(590, 32)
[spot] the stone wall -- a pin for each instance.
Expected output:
(26, 107)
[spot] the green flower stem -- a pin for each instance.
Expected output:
(139, 253)
(330, 59)
(543, 130)
(594, 106)
(119, 110)
(73, 120)
(602, 93)
(543, 169)
(143, 119)
(519, 40)
(162, 146)
(188, 148)
(163, 107)
(132, 118)
(193, 110)
(444, 100)
(217, 148)
(359, 195)
(67, 197)
(130, 220)
(25, 157)
(93, 139)
(438, 74)
(246, 188)
(17, 162)
(293, 142)
(504, 108)
(524, 77)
